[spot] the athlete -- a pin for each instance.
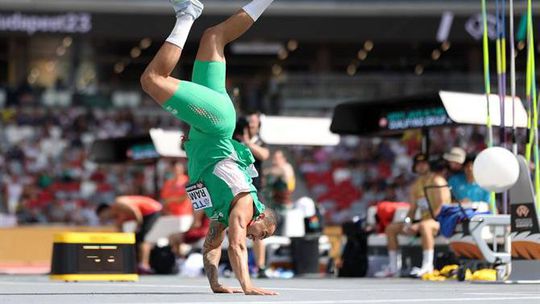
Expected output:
(220, 168)
(429, 193)
(141, 209)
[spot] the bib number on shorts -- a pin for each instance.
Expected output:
(200, 198)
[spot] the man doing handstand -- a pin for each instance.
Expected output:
(220, 169)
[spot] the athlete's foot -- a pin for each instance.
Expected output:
(144, 270)
(193, 8)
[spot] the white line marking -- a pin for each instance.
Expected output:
(367, 301)
(208, 287)
(502, 294)
(523, 282)
(268, 287)
(135, 284)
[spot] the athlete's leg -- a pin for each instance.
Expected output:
(217, 37)
(392, 231)
(394, 257)
(156, 79)
(428, 231)
(214, 39)
(144, 253)
(197, 105)
(209, 67)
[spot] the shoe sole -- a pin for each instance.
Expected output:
(195, 3)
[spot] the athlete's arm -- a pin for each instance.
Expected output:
(211, 256)
(239, 218)
(412, 209)
(412, 201)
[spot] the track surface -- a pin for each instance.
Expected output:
(173, 289)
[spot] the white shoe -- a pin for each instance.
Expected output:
(386, 273)
(419, 272)
(193, 8)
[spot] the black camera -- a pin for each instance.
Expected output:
(241, 124)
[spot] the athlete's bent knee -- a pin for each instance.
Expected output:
(424, 228)
(148, 81)
(213, 35)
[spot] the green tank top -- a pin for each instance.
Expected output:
(204, 151)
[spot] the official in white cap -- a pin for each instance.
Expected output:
(455, 159)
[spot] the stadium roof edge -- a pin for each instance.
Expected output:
(393, 116)
(285, 8)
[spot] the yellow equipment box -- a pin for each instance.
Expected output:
(79, 256)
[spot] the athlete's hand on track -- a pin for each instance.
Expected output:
(224, 289)
(254, 291)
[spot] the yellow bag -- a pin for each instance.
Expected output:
(484, 275)
(449, 270)
(435, 275)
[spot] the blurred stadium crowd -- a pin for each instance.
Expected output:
(347, 179)
(46, 177)
(50, 77)
(44, 170)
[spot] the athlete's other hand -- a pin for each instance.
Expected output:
(254, 291)
(225, 289)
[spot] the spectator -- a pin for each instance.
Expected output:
(465, 188)
(247, 132)
(174, 195)
(249, 136)
(280, 194)
(282, 171)
(428, 193)
(197, 232)
(144, 210)
(14, 192)
(455, 158)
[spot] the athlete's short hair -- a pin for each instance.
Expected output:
(102, 207)
(270, 218)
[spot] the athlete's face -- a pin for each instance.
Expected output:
(454, 166)
(260, 229)
(278, 159)
(421, 168)
(105, 216)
